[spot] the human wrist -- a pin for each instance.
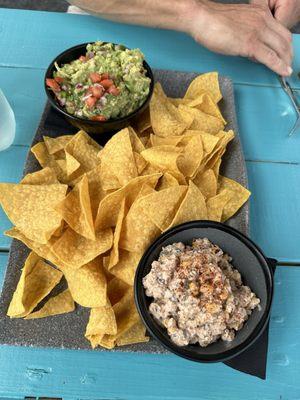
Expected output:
(197, 14)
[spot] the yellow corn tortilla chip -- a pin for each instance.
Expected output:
(36, 282)
(209, 141)
(76, 210)
(76, 250)
(166, 181)
(165, 159)
(96, 191)
(72, 165)
(215, 205)
(202, 121)
(102, 321)
(125, 269)
(48, 160)
(165, 118)
(60, 304)
(114, 254)
(161, 206)
(136, 334)
(206, 104)
(31, 208)
(136, 143)
(45, 176)
(109, 206)
(54, 145)
(193, 206)
(239, 196)
(143, 122)
(140, 163)
(192, 155)
(88, 284)
(85, 150)
(116, 289)
(42, 250)
(161, 141)
(206, 182)
(209, 83)
(138, 229)
(118, 165)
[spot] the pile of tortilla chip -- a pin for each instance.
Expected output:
(90, 212)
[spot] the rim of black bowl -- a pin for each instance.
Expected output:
(151, 325)
(53, 101)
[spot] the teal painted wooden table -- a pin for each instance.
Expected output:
(28, 42)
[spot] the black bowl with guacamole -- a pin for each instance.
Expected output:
(99, 87)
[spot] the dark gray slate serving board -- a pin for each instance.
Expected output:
(67, 331)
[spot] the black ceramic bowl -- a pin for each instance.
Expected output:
(112, 125)
(248, 259)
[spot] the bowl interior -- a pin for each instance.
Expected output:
(74, 53)
(247, 259)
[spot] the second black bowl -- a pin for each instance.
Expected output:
(112, 125)
(248, 259)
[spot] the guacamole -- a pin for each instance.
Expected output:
(108, 82)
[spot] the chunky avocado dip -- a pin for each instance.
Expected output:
(109, 81)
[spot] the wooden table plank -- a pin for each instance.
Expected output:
(164, 49)
(88, 375)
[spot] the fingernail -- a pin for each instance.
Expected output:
(289, 70)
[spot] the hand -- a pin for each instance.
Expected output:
(247, 30)
(286, 12)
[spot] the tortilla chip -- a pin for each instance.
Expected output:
(76, 251)
(206, 104)
(126, 266)
(216, 204)
(138, 229)
(85, 150)
(88, 284)
(166, 119)
(136, 334)
(31, 208)
(54, 145)
(118, 165)
(72, 165)
(60, 304)
(102, 321)
(193, 207)
(136, 143)
(161, 206)
(109, 206)
(45, 176)
(165, 159)
(206, 182)
(161, 141)
(96, 191)
(76, 210)
(114, 254)
(192, 155)
(140, 163)
(202, 121)
(116, 289)
(48, 160)
(166, 181)
(36, 282)
(143, 122)
(239, 196)
(209, 83)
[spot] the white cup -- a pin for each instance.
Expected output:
(7, 123)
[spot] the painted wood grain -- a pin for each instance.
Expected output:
(91, 375)
(40, 36)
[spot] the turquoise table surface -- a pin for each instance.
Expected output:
(28, 42)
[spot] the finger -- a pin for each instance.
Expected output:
(277, 26)
(270, 58)
(276, 42)
(286, 16)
